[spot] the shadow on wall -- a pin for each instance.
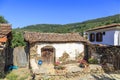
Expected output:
(13, 59)
(17, 57)
(9, 58)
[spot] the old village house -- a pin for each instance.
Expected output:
(105, 44)
(49, 47)
(107, 34)
(5, 38)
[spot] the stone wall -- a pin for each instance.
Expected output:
(20, 57)
(33, 51)
(2, 62)
(110, 54)
(33, 59)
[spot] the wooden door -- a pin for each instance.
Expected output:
(47, 54)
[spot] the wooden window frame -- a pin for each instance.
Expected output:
(99, 37)
(92, 37)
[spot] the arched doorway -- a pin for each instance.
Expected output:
(48, 54)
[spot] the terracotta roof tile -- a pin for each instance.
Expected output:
(5, 29)
(53, 37)
(105, 26)
(4, 39)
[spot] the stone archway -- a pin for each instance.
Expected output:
(48, 54)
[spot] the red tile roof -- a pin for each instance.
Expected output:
(53, 37)
(4, 39)
(5, 29)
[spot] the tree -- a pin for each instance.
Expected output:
(18, 39)
(3, 20)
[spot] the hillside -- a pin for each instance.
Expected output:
(73, 27)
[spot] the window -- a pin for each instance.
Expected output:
(103, 33)
(99, 37)
(92, 37)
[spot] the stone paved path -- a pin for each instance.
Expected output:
(74, 72)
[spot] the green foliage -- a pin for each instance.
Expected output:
(12, 76)
(74, 27)
(24, 77)
(18, 39)
(2, 20)
(57, 28)
(93, 61)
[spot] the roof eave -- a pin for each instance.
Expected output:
(104, 27)
(57, 41)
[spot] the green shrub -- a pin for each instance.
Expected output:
(12, 76)
(93, 61)
(17, 40)
(3, 20)
(24, 77)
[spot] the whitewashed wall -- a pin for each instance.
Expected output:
(72, 49)
(108, 39)
(117, 37)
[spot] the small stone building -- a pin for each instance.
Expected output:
(49, 47)
(5, 38)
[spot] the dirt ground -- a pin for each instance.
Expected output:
(72, 72)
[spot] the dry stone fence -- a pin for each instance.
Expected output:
(109, 54)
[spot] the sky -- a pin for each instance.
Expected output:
(21, 13)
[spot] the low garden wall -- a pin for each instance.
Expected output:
(106, 54)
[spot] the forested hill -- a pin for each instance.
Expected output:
(18, 39)
(73, 27)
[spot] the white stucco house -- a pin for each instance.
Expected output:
(55, 44)
(107, 35)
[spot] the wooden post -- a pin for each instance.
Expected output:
(86, 53)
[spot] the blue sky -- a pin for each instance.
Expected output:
(21, 13)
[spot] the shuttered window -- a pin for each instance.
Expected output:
(99, 37)
(92, 37)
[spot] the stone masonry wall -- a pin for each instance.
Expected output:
(111, 54)
(2, 63)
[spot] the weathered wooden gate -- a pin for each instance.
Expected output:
(48, 54)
